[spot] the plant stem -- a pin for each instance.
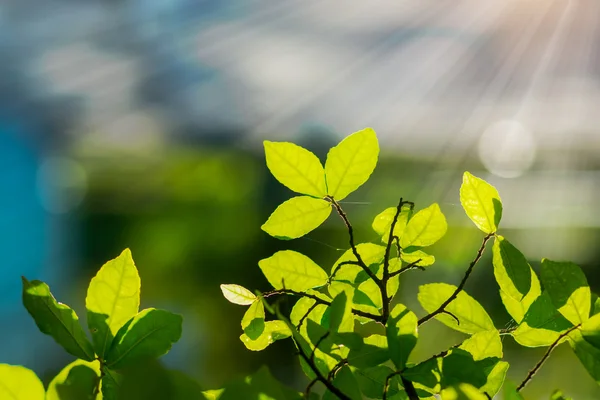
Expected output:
(535, 369)
(386, 265)
(344, 217)
(462, 283)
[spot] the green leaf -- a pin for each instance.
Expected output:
(111, 383)
(292, 270)
(237, 294)
(463, 391)
(338, 316)
(113, 298)
(77, 381)
(346, 382)
(401, 332)
(495, 379)
(273, 330)
(351, 162)
(20, 383)
(483, 345)
(588, 353)
(569, 291)
(518, 309)
(150, 334)
(372, 352)
(481, 202)
(511, 269)
(253, 322)
(425, 228)
(472, 316)
(372, 381)
(542, 324)
(270, 388)
(383, 222)
(295, 167)
(296, 217)
(558, 395)
(420, 257)
(56, 319)
(510, 392)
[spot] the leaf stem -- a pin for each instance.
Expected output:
(344, 217)
(535, 369)
(460, 287)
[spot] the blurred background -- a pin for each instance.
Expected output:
(130, 123)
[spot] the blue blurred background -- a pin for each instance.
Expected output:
(130, 123)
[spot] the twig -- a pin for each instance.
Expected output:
(314, 350)
(546, 355)
(386, 265)
(344, 217)
(310, 309)
(462, 283)
(340, 265)
(408, 267)
(386, 388)
(309, 388)
(319, 300)
(336, 368)
(410, 389)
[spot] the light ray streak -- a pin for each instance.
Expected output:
(353, 68)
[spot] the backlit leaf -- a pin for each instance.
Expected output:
(463, 391)
(481, 202)
(425, 228)
(351, 162)
(417, 256)
(517, 309)
(383, 222)
(296, 217)
(56, 319)
(20, 383)
(372, 382)
(253, 322)
(373, 352)
(113, 298)
(569, 291)
(588, 353)
(292, 270)
(471, 315)
(238, 294)
(346, 382)
(401, 331)
(150, 334)
(511, 269)
(273, 330)
(495, 379)
(542, 324)
(338, 317)
(483, 345)
(295, 167)
(510, 392)
(77, 381)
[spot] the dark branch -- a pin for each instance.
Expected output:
(319, 300)
(310, 309)
(386, 388)
(386, 264)
(462, 283)
(309, 388)
(321, 339)
(344, 217)
(339, 266)
(535, 369)
(408, 267)
(336, 368)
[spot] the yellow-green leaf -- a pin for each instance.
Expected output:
(463, 391)
(425, 228)
(237, 294)
(56, 319)
(76, 381)
(401, 331)
(518, 309)
(292, 270)
(253, 322)
(295, 167)
(511, 269)
(113, 298)
(419, 256)
(472, 316)
(483, 345)
(351, 162)
(296, 217)
(481, 202)
(568, 288)
(20, 383)
(273, 330)
(383, 222)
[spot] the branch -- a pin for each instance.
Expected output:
(309, 388)
(336, 368)
(351, 235)
(321, 339)
(319, 376)
(462, 283)
(544, 358)
(339, 266)
(386, 264)
(319, 300)
(408, 267)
